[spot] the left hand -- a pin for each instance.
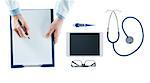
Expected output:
(55, 29)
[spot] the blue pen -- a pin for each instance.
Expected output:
(82, 25)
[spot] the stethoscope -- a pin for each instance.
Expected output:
(129, 39)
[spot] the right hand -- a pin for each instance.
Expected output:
(17, 28)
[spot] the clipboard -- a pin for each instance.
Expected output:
(37, 51)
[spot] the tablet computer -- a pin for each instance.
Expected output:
(84, 44)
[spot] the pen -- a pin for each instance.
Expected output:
(82, 25)
(23, 28)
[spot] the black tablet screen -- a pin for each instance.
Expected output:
(84, 44)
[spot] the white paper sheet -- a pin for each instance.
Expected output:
(37, 50)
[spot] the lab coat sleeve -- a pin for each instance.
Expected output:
(62, 8)
(13, 7)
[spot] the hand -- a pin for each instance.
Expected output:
(17, 27)
(55, 29)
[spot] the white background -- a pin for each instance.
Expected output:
(110, 68)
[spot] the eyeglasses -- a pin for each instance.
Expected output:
(87, 63)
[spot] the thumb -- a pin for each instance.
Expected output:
(49, 33)
(27, 29)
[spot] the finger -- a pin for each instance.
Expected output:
(49, 33)
(22, 32)
(25, 28)
(16, 25)
(17, 32)
(55, 38)
(16, 29)
(56, 35)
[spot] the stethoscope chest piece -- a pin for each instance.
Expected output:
(129, 40)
